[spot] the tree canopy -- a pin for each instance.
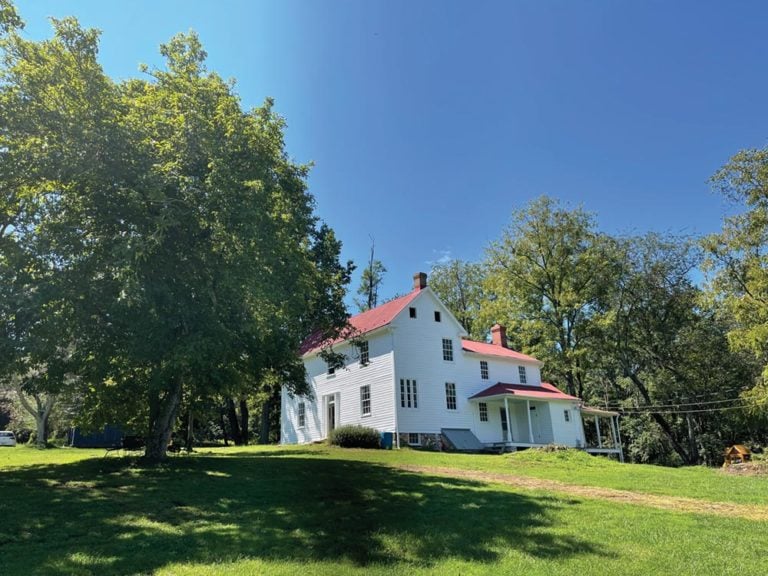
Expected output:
(153, 229)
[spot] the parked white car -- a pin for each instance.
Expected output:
(7, 438)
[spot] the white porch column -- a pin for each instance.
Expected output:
(509, 420)
(618, 438)
(530, 426)
(597, 425)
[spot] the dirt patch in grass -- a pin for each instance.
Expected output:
(690, 505)
(747, 469)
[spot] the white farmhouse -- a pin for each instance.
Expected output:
(414, 373)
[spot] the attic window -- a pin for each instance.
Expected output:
(523, 375)
(483, 369)
(412, 312)
(364, 353)
(437, 316)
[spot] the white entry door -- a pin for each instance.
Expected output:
(330, 414)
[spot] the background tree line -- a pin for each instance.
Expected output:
(629, 324)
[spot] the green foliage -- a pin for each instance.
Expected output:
(158, 242)
(355, 436)
(738, 256)
(459, 284)
(547, 280)
(370, 282)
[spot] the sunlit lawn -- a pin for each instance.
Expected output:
(328, 511)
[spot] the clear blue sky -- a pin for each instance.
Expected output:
(430, 121)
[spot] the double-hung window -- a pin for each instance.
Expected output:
(365, 400)
(408, 393)
(450, 395)
(483, 369)
(448, 349)
(523, 375)
(483, 411)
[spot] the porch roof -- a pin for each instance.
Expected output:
(544, 392)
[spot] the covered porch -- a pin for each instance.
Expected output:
(601, 432)
(513, 416)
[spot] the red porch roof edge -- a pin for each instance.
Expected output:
(362, 323)
(545, 391)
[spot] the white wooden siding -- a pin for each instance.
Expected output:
(345, 383)
(412, 348)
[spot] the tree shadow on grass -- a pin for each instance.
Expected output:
(110, 516)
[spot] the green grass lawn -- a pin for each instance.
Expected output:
(330, 511)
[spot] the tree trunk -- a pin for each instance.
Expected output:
(244, 428)
(190, 430)
(660, 420)
(692, 444)
(234, 424)
(265, 414)
(223, 427)
(41, 412)
(161, 424)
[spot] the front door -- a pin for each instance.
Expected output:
(535, 425)
(331, 414)
(504, 425)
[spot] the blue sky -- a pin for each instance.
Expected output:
(430, 121)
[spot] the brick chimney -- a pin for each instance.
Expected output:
(499, 335)
(419, 281)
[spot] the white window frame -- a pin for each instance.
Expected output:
(451, 402)
(484, 373)
(409, 393)
(523, 374)
(412, 312)
(301, 415)
(567, 415)
(418, 439)
(438, 316)
(365, 400)
(448, 349)
(483, 408)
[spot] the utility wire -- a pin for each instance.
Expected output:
(721, 409)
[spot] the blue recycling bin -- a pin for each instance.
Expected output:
(386, 440)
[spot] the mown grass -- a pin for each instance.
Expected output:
(576, 467)
(333, 511)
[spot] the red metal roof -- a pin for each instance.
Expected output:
(494, 350)
(546, 391)
(362, 323)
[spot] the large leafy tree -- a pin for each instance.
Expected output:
(738, 256)
(175, 236)
(547, 279)
(459, 284)
(665, 352)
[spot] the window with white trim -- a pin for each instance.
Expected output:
(437, 316)
(365, 357)
(331, 370)
(450, 395)
(408, 393)
(483, 369)
(365, 400)
(302, 412)
(414, 439)
(483, 411)
(523, 375)
(448, 349)
(567, 415)
(412, 312)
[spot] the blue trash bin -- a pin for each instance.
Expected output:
(386, 440)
